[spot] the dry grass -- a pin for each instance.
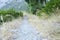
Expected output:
(49, 27)
(5, 33)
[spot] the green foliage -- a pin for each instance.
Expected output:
(8, 15)
(34, 5)
(52, 6)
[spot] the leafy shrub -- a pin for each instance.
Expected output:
(8, 15)
(52, 6)
(34, 5)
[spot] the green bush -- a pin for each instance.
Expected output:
(52, 6)
(34, 5)
(8, 15)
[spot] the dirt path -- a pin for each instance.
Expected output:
(30, 28)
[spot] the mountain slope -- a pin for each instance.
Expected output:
(16, 4)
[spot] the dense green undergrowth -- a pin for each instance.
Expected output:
(51, 7)
(9, 15)
(37, 7)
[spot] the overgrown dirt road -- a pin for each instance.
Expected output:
(30, 28)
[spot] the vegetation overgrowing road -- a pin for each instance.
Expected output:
(42, 22)
(45, 27)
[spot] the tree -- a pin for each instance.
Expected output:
(35, 4)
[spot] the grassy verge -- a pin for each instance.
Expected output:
(9, 15)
